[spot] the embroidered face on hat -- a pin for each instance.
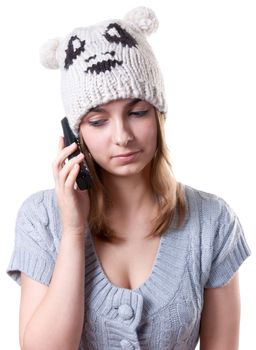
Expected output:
(114, 35)
(107, 61)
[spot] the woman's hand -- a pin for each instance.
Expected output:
(73, 203)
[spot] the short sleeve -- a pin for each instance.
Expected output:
(34, 251)
(229, 248)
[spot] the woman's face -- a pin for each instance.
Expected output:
(117, 128)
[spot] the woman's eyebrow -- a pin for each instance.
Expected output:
(129, 104)
(133, 102)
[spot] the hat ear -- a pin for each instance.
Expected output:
(144, 18)
(48, 52)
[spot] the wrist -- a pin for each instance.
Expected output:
(73, 234)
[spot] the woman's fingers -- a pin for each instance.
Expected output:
(71, 177)
(63, 153)
(61, 143)
(69, 167)
(61, 168)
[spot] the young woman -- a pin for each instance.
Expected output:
(139, 260)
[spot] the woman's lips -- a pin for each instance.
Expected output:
(127, 158)
(126, 154)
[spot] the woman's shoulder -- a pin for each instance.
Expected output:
(201, 194)
(41, 198)
(37, 236)
(222, 243)
(212, 206)
(40, 206)
(38, 218)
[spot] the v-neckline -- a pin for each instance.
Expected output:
(162, 284)
(145, 282)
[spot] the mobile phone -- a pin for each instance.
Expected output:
(83, 180)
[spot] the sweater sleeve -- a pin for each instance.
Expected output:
(229, 247)
(34, 250)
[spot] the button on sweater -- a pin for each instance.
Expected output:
(164, 312)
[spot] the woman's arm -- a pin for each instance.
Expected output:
(220, 318)
(55, 318)
(52, 317)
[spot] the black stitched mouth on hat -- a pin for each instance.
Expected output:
(103, 66)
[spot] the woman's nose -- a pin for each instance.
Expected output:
(122, 134)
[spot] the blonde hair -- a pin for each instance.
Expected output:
(169, 193)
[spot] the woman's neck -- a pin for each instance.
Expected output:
(128, 194)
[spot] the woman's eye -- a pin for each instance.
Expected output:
(96, 122)
(139, 113)
(101, 121)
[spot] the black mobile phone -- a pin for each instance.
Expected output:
(83, 179)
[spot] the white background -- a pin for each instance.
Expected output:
(206, 50)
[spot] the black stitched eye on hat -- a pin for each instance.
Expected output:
(116, 34)
(75, 47)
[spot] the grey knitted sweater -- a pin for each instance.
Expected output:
(165, 311)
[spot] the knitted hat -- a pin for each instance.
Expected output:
(107, 61)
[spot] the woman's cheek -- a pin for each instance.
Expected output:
(149, 135)
(98, 150)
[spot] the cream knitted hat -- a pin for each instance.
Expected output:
(106, 61)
